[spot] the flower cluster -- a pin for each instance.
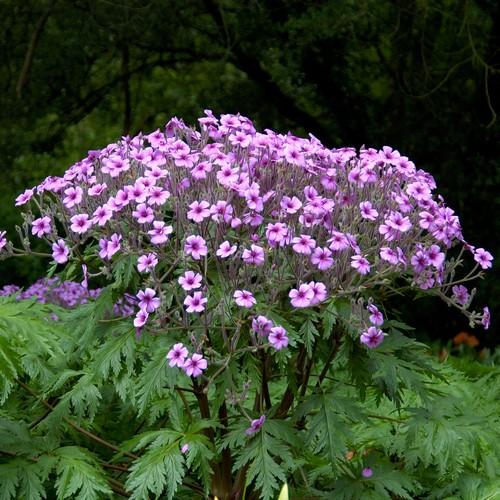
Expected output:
(229, 219)
(66, 294)
(193, 366)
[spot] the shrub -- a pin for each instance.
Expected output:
(260, 350)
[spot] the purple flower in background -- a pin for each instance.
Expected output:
(226, 250)
(177, 355)
(372, 337)
(184, 448)
(195, 365)
(199, 210)
(141, 318)
(3, 239)
(23, 198)
(278, 338)
(367, 211)
(253, 256)
(361, 264)
(159, 233)
(367, 472)
(303, 244)
(80, 223)
(319, 292)
(255, 425)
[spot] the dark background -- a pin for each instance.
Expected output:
(422, 76)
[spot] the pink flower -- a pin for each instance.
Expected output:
(41, 226)
(199, 211)
(460, 294)
(73, 196)
(196, 247)
(389, 255)
(158, 196)
(177, 355)
(109, 248)
(435, 256)
(319, 291)
(195, 303)
(225, 250)
(102, 215)
(278, 337)
(240, 139)
(255, 425)
(148, 300)
(3, 239)
(372, 337)
(141, 318)
(483, 258)
(143, 214)
(184, 448)
(60, 251)
(195, 365)
(290, 205)
(376, 317)
(200, 170)
(80, 223)
(97, 189)
(367, 210)
(244, 298)
(276, 233)
(254, 256)
(338, 241)
(301, 297)
(360, 263)
(23, 198)
(221, 211)
(190, 281)
(486, 318)
(159, 233)
(262, 326)
(322, 258)
(303, 244)
(367, 472)
(146, 263)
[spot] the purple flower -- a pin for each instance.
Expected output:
(290, 205)
(460, 294)
(143, 214)
(41, 226)
(278, 337)
(262, 326)
(195, 303)
(486, 318)
(303, 244)
(3, 239)
(60, 251)
(322, 258)
(184, 448)
(146, 263)
(195, 365)
(360, 263)
(23, 198)
(148, 300)
(483, 258)
(435, 256)
(196, 247)
(255, 425)
(80, 223)
(372, 337)
(367, 211)
(367, 472)
(389, 255)
(159, 233)
(226, 250)
(198, 211)
(253, 256)
(141, 318)
(73, 197)
(376, 317)
(244, 298)
(190, 281)
(177, 355)
(102, 215)
(302, 296)
(319, 292)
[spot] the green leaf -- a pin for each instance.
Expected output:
(160, 470)
(79, 475)
(308, 333)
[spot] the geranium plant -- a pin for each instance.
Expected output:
(259, 266)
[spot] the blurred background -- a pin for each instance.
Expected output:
(422, 76)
